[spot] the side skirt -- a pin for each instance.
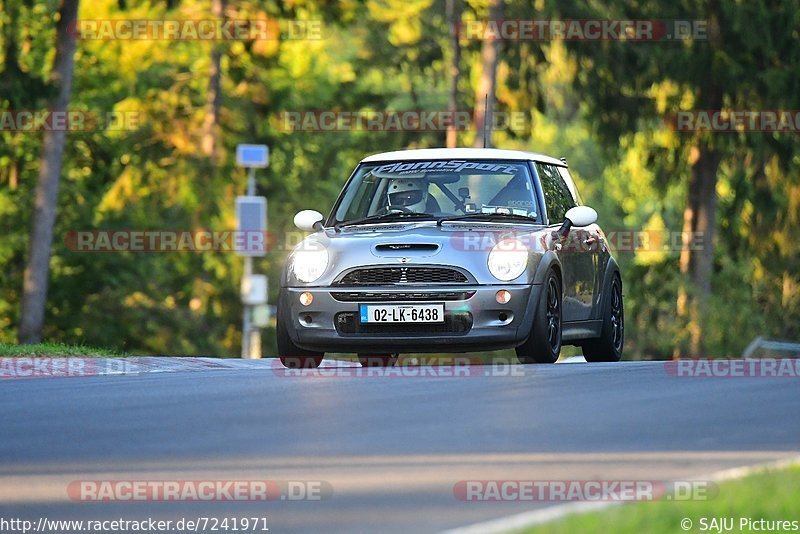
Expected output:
(574, 332)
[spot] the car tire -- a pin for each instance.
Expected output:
(544, 342)
(292, 356)
(377, 360)
(608, 347)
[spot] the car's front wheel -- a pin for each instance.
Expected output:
(544, 342)
(291, 355)
(608, 347)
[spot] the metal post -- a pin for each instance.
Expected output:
(251, 157)
(246, 326)
(251, 181)
(251, 337)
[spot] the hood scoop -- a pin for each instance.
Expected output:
(398, 250)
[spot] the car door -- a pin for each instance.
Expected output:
(577, 258)
(592, 245)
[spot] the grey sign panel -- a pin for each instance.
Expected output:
(251, 226)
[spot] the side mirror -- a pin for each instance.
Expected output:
(581, 216)
(308, 220)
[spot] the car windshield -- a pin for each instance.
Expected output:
(439, 189)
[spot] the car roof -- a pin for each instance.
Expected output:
(461, 153)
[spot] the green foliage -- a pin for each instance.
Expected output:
(747, 62)
(9, 350)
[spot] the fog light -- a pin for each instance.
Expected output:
(306, 298)
(502, 296)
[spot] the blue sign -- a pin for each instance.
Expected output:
(256, 156)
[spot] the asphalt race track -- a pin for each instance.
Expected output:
(386, 450)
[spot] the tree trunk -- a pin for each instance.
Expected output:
(37, 271)
(453, 19)
(13, 176)
(700, 215)
(210, 136)
(697, 262)
(485, 95)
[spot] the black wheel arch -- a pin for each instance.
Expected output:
(612, 270)
(549, 261)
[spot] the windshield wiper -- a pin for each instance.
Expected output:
(384, 217)
(487, 216)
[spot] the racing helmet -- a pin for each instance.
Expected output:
(408, 193)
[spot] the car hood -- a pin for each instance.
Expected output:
(465, 245)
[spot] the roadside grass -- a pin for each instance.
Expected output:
(55, 350)
(771, 495)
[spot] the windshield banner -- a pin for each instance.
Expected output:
(447, 166)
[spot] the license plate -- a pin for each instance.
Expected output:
(402, 313)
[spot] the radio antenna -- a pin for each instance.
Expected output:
(485, 118)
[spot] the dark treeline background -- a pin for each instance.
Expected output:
(604, 105)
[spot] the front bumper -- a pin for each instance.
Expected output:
(473, 319)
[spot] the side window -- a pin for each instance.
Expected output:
(557, 196)
(570, 185)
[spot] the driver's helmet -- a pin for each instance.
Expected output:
(408, 193)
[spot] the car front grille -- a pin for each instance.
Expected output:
(400, 296)
(455, 323)
(376, 276)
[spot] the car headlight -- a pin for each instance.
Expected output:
(309, 263)
(508, 259)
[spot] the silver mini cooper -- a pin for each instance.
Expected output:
(451, 250)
